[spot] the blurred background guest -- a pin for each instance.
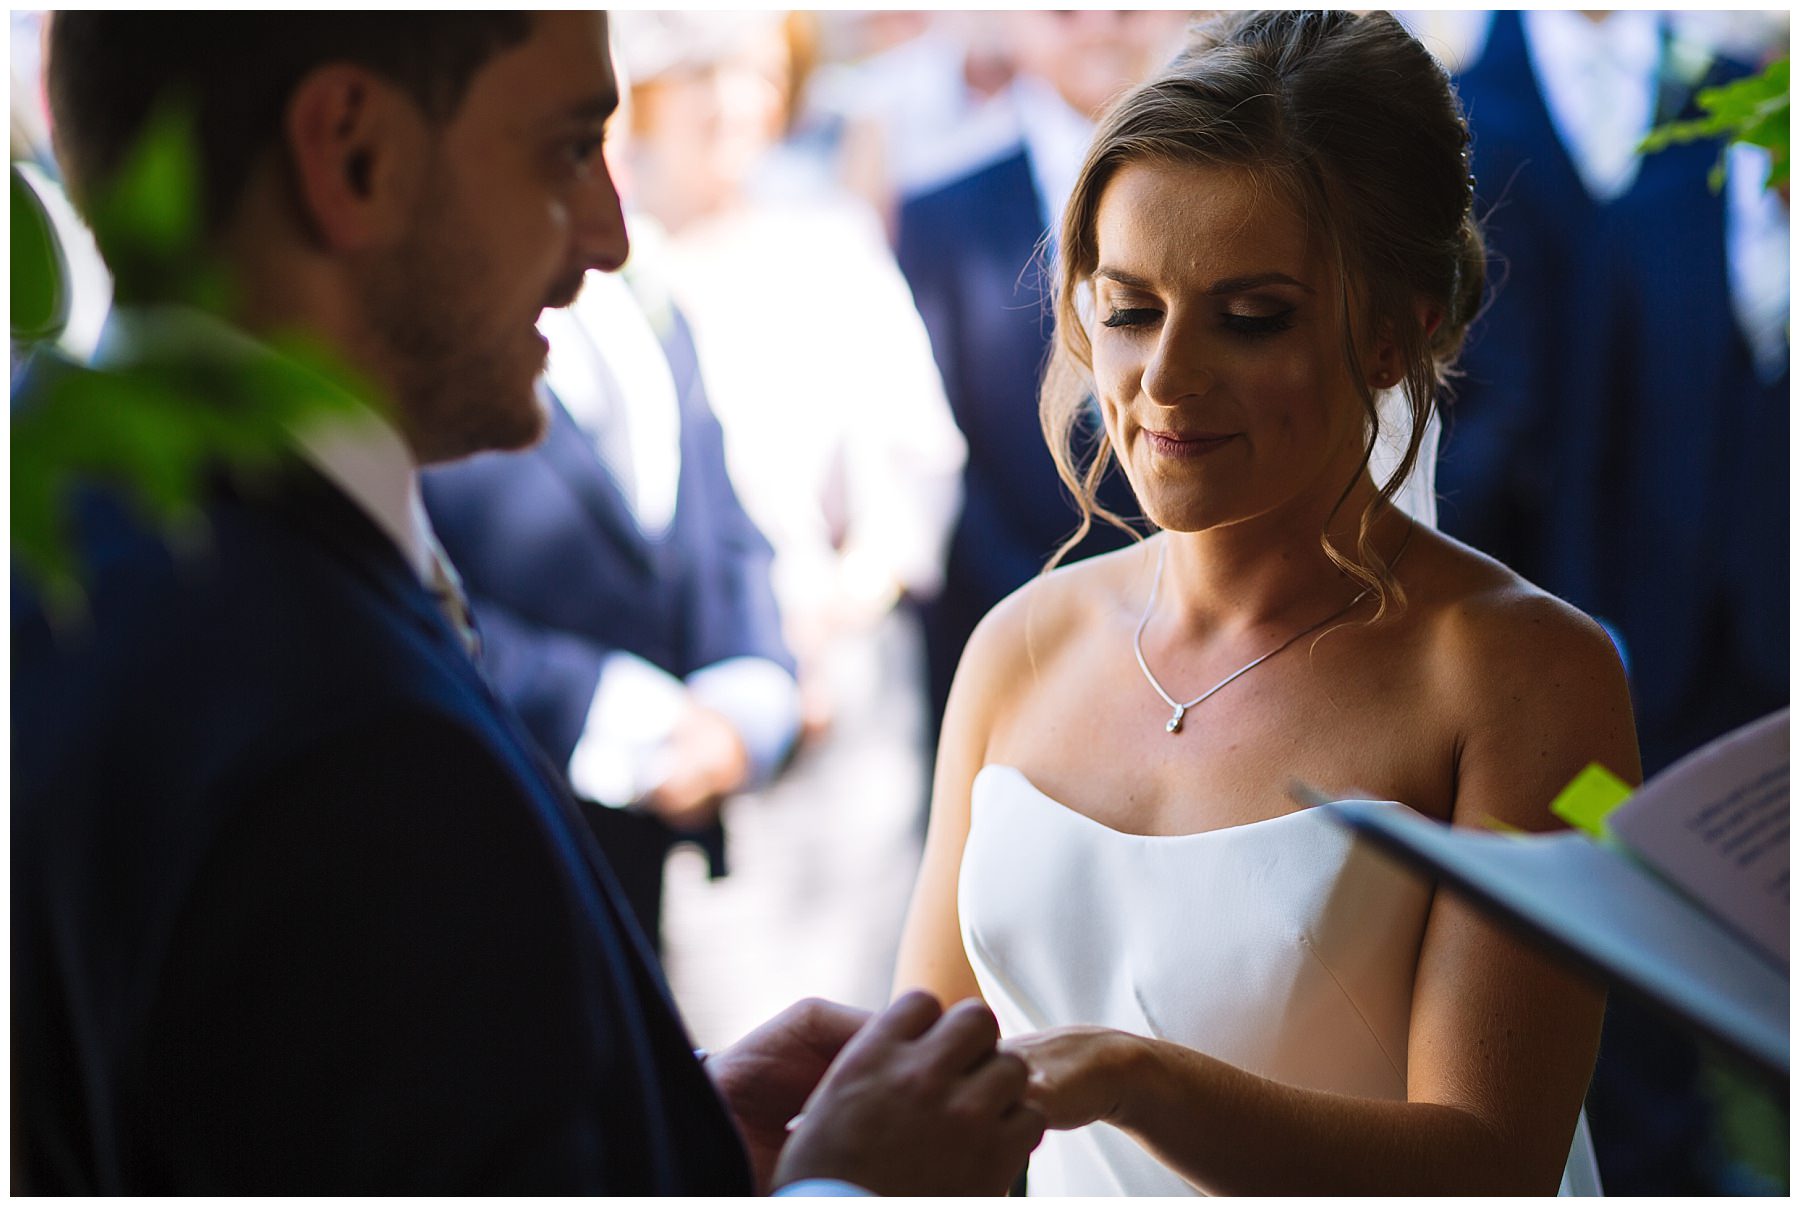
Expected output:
(1612, 260)
(913, 99)
(969, 247)
(1625, 401)
(622, 593)
(843, 450)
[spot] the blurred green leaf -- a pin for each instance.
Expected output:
(305, 369)
(148, 221)
(1751, 110)
(40, 299)
(158, 427)
(1778, 170)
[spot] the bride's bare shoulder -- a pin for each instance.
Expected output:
(1463, 595)
(1046, 619)
(1495, 640)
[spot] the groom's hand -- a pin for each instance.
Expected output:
(919, 1103)
(766, 1077)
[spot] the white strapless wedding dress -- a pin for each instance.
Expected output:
(1284, 947)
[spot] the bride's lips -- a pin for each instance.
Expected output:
(1188, 445)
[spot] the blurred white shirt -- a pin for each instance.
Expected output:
(1756, 245)
(1599, 80)
(839, 436)
(624, 399)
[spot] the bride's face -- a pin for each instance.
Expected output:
(1218, 349)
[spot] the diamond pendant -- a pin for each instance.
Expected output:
(1174, 725)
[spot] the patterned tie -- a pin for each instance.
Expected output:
(447, 586)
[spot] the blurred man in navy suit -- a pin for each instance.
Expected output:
(296, 907)
(1605, 436)
(622, 592)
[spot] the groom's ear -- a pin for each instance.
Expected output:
(357, 146)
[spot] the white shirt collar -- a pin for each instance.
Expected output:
(366, 459)
(1599, 82)
(362, 455)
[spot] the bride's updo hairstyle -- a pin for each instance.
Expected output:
(1351, 120)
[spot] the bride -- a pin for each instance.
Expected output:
(1214, 989)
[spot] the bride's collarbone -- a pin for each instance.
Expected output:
(1138, 778)
(1099, 741)
(1104, 702)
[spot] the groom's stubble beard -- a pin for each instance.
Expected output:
(463, 373)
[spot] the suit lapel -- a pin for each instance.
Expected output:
(672, 1087)
(1508, 42)
(334, 519)
(700, 1148)
(570, 453)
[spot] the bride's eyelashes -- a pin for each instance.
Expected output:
(1257, 326)
(1131, 317)
(1251, 326)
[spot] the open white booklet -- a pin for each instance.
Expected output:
(1687, 903)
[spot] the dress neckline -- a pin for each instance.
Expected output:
(1083, 818)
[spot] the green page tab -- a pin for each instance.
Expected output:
(1589, 797)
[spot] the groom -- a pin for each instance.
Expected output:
(296, 909)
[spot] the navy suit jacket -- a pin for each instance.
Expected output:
(560, 575)
(296, 908)
(969, 251)
(1610, 440)
(1686, 456)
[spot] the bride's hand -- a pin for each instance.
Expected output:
(1078, 1075)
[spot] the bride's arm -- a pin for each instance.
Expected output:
(1502, 1040)
(931, 949)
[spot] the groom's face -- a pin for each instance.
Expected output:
(517, 206)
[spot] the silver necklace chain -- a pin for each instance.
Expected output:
(1137, 646)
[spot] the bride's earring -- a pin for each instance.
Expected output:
(1384, 367)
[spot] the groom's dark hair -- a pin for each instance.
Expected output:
(107, 72)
